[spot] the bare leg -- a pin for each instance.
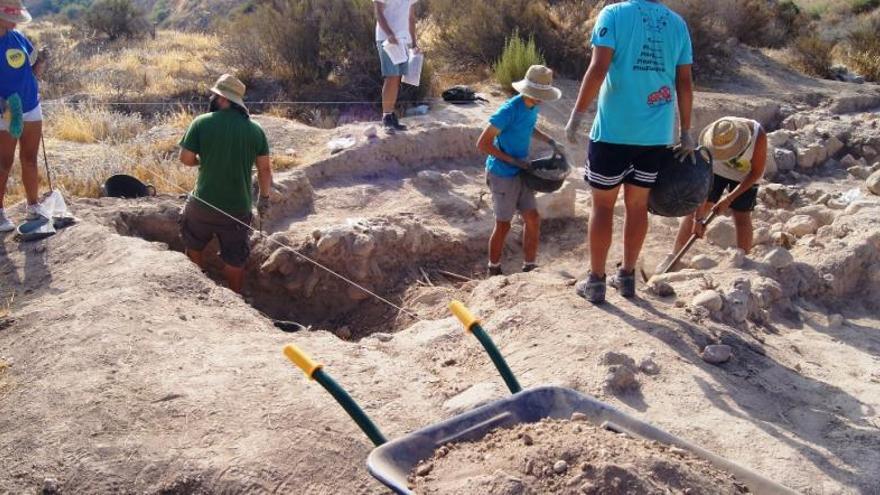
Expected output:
(196, 257)
(496, 242)
(234, 277)
(636, 226)
(390, 89)
(685, 231)
(744, 235)
(531, 235)
(7, 157)
(601, 228)
(29, 148)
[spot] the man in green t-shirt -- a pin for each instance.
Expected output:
(225, 144)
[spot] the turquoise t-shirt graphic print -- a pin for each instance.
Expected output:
(637, 99)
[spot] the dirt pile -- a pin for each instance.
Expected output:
(567, 457)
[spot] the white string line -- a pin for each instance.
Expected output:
(294, 251)
(203, 103)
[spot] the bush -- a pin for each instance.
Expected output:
(473, 34)
(864, 6)
(863, 49)
(116, 19)
(813, 55)
(516, 59)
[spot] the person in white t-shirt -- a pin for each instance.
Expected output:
(395, 23)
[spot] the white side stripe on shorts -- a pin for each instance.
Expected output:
(607, 180)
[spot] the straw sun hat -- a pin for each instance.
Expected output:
(229, 87)
(14, 11)
(727, 138)
(538, 84)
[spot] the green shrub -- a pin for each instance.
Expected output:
(116, 19)
(863, 49)
(813, 55)
(515, 60)
(473, 34)
(863, 6)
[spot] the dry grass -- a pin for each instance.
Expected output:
(284, 162)
(91, 124)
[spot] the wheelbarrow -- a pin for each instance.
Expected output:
(391, 462)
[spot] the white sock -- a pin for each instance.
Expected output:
(494, 265)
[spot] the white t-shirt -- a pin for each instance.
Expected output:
(397, 15)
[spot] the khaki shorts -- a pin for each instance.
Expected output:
(200, 223)
(509, 195)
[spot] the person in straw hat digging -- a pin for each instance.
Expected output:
(225, 144)
(22, 122)
(739, 158)
(507, 140)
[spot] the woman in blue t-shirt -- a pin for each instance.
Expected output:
(22, 122)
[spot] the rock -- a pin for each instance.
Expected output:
(779, 139)
(779, 258)
(660, 288)
(50, 486)
(849, 161)
(736, 258)
(777, 195)
(611, 358)
(873, 183)
(722, 233)
(738, 302)
(620, 378)
(859, 172)
(783, 239)
(430, 176)
(811, 156)
(475, 396)
(833, 146)
(558, 205)
(578, 416)
(560, 467)
(869, 152)
(770, 166)
(504, 484)
(383, 337)
(370, 132)
(761, 236)
(343, 333)
(785, 159)
(820, 213)
(703, 262)
(458, 177)
(709, 299)
(716, 354)
(527, 439)
(648, 366)
(801, 225)
(424, 469)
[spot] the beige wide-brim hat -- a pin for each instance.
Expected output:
(14, 11)
(538, 84)
(229, 87)
(727, 138)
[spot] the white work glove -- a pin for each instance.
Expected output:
(574, 126)
(686, 148)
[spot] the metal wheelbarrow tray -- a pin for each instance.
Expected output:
(391, 462)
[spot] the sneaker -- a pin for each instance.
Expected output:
(528, 267)
(391, 124)
(494, 270)
(624, 282)
(5, 224)
(592, 289)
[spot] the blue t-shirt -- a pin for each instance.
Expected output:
(516, 121)
(638, 98)
(16, 73)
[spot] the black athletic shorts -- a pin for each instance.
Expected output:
(609, 165)
(746, 202)
(199, 224)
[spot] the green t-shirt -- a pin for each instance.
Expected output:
(228, 144)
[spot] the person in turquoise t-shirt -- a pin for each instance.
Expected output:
(640, 69)
(507, 140)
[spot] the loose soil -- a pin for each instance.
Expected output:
(567, 457)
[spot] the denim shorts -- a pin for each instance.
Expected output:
(389, 69)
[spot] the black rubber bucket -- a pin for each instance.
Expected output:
(682, 187)
(548, 174)
(126, 186)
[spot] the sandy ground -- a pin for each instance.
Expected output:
(123, 369)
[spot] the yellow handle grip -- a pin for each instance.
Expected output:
(301, 359)
(464, 315)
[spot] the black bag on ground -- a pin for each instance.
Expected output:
(126, 186)
(461, 94)
(682, 187)
(548, 174)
